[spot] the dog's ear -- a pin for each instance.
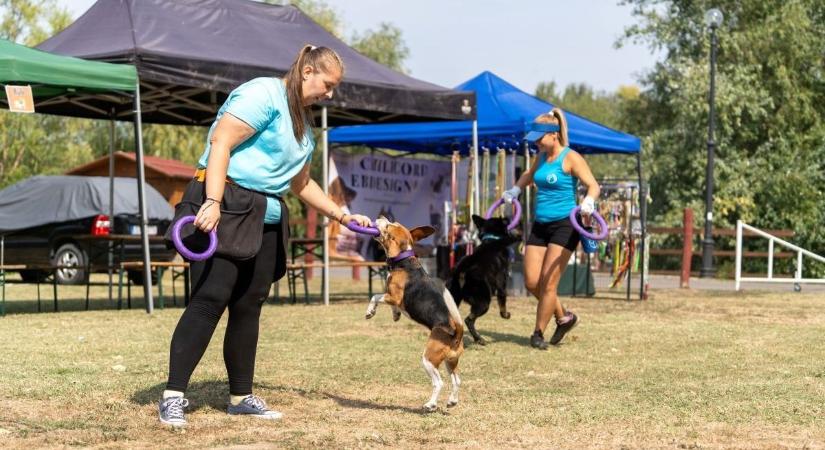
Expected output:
(479, 221)
(419, 233)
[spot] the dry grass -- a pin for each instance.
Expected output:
(683, 370)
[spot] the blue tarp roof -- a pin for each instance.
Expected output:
(503, 112)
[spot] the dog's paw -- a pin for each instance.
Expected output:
(481, 341)
(451, 403)
(369, 315)
(396, 316)
(430, 407)
(505, 314)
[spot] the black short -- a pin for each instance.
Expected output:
(559, 232)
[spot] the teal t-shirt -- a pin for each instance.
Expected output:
(556, 195)
(269, 159)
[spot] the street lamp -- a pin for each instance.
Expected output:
(713, 19)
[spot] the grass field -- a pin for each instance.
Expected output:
(685, 369)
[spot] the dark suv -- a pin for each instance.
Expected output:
(54, 221)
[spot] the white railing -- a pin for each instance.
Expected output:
(740, 226)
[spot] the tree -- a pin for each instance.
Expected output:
(30, 22)
(386, 45)
(770, 108)
(34, 144)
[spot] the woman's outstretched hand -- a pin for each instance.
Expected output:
(364, 221)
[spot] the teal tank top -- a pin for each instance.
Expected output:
(556, 195)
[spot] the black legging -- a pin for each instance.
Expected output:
(217, 283)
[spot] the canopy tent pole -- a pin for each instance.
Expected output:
(141, 181)
(501, 175)
(512, 172)
(643, 219)
(111, 248)
(454, 205)
(469, 197)
(325, 144)
(485, 179)
(475, 204)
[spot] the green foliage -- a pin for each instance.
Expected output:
(770, 134)
(30, 22)
(36, 144)
(320, 12)
(31, 145)
(386, 45)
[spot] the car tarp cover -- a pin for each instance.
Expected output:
(51, 199)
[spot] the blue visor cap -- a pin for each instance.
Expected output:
(538, 130)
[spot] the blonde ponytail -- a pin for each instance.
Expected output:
(562, 122)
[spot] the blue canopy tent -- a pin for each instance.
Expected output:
(503, 115)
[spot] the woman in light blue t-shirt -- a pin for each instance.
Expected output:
(262, 141)
(553, 239)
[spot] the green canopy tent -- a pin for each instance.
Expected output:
(81, 84)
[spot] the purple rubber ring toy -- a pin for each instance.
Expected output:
(602, 225)
(185, 252)
(516, 213)
(372, 231)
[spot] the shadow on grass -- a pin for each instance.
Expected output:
(366, 404)
(493, 337)
(214, 394)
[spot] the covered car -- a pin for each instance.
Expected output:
(63, 221)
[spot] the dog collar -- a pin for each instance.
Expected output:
(401, 256)
(490, 237)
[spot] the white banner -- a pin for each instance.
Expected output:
(406, 190)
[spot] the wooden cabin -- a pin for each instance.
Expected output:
(168, 176)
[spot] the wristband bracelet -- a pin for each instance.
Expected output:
(213, 200)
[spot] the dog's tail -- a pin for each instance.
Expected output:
(452, 307)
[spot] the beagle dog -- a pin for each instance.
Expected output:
(424, 300)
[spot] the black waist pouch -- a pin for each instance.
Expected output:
(240, 229)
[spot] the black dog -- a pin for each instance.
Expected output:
(484, 273)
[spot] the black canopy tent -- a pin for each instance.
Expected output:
(190, 54)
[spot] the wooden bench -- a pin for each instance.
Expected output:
(3, 269)
(298, 270)
(159, 267)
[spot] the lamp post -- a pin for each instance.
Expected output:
(713, 18)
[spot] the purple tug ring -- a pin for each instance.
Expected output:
(371, 230)
(185, 252)
(602, 225)
(516, 212)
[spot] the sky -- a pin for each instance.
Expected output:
(523, 41)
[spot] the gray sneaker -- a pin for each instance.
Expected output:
(254, 406)
(171, 411)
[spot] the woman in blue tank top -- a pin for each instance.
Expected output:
(552, 240)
